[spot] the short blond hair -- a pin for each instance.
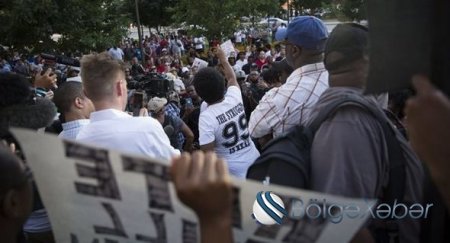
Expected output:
(99, 72)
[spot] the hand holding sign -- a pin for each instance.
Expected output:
(227, 47)
(203, 176)
(202, 182)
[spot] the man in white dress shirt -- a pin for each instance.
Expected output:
(74, 107)
(110, 127)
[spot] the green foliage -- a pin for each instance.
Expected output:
(84, 24)
(153, 13)
(219, 18)
(354, 10)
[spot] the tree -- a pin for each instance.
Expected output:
(218, 18)
(84, 24)
(311, 5)
(153, 13)
(355, 10)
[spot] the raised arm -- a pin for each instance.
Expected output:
(228, 70)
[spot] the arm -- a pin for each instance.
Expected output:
(264, 118)
(228, 70)
(207, 147)
(189, 135)
(203, 176)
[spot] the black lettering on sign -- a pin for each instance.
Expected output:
(189, 232)
(253, 241)
(305, 230)
(111, 241)
(237, 216)
(100, 170)
(268, 231)
(118, 229)
(157, 177)
(160, 225)
(74, 239)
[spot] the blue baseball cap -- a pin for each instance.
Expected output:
(308, 32)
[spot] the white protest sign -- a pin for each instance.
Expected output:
(99, 195)
(228, 48)
(199, 63)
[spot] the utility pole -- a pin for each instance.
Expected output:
(139, 30)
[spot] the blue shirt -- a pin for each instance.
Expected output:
(72, 128)
(173, 112)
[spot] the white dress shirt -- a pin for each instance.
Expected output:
(114, 129)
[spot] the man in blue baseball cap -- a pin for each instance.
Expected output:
(282, 109)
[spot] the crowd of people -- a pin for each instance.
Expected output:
(216, 121)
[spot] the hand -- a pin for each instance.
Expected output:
(49, 95)
(428, 119)
(221, 54)
(46, 81)
(143, 112)
(202, 183)
(12, 146)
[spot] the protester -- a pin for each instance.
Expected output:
(116, 53)
(222, 124)
(105, 85)
(292, 103)
(75, 108)
(15, 194)
(352, 142)
(180, 135)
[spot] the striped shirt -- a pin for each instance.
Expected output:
(72, 128)
(289, 105)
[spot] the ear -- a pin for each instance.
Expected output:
(296, 51)
(79, 102)
(119, 88)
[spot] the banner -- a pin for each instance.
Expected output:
(98, 195)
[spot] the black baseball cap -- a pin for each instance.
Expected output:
(349, 39)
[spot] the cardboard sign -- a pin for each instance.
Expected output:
(228, 48)
(98, 195)
(199, 63)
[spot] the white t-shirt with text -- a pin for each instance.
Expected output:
(225, 123)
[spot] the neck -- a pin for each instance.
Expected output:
(104, 105)
(308, 60)
(353, 79)
(74, 116)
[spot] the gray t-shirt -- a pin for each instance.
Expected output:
(349, 157)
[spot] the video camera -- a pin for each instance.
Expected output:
(61, 59)
(154, 84)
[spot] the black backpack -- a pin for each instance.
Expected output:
(286, 160)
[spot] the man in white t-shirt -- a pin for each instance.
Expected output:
(199, 43)
(116, 53)
(222, 123)
(110, 127)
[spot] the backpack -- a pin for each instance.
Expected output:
(286, 160)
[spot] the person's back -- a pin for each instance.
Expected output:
(118, 130)
(291, 104)
(350, 152)
(227, 122)
(222, 122)
(110, 127)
